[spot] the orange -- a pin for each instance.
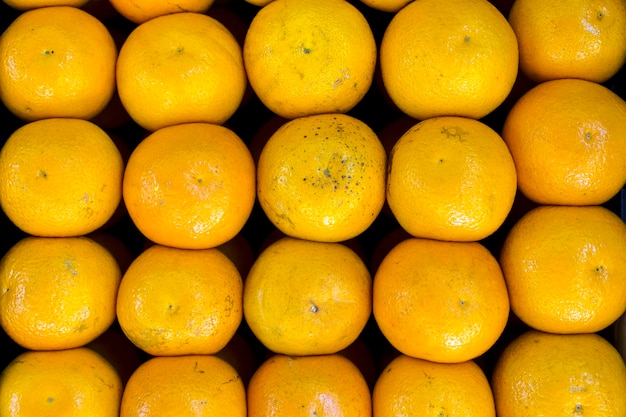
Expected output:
(568, 140)
(390, 6)
(139, 11)
(180, 302)
(71, 382)
(184, 386)
(323, 386)
(416, 387)
(57, 293)
(180, 68)
(60, 177)
(34, 4)
(448, 58)
(451, 178)
(543, 374)
(190, 186)
(440, 301)
(583, 39)
(58, 61)
(565, 268)
(307, 298)
(309, 56)
(322, 177)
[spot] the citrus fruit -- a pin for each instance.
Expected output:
(57, 293)
(60, 177)
(34, 4)
(322, 177)
(184, 386)
(180, 68)
(140, 11)
(559, 375)
(307, 298)
(309, 57)
(565, 268)
(390, 6)
(440, 301)
(59, 61)
(303, 386)
(568, 140)
(451, 178)
(190, 186)
(577, 39)
(448, 58)
(410, 387)
(180, 302)
(70, 382)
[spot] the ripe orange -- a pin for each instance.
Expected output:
(541, 374)
(180, 68)
(568, 140)
(140, 11)
(565, 268)
(440, 301)
(34, 4)
(69, 382)
(307, 298)
(184, 386)
(451, 178)
(322, 177)
(576, 39)
(60, 177)
(58, 61)
(180, 302)
(310, 56)
(448, 58)
(416, 387)
(304, 386)
(391, 6)
(190, 186)
(57, 293)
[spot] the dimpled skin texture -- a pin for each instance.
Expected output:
(448, 58)
(60, 62)
(309, 56)
(307, 298)
(57, 293)
(70, 382)
(322, 177)
(544, 374)
(565, 268)
(440, 301)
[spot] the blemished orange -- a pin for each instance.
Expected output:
(565, 268)
(140, 11)
(60, 177)
(70, 382)
(58, 61)
(310, 56)
(304, 386)
(57, 293)
(307, 298)
(582, 39)
(180, 68)
(451, 178)
(440, 301)
(448, 58)
(190, 186)
(322, 177)
(568, 140)
(34, 4)
(184, 386)
(180, 302)
(545, 374)
(415, 387)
